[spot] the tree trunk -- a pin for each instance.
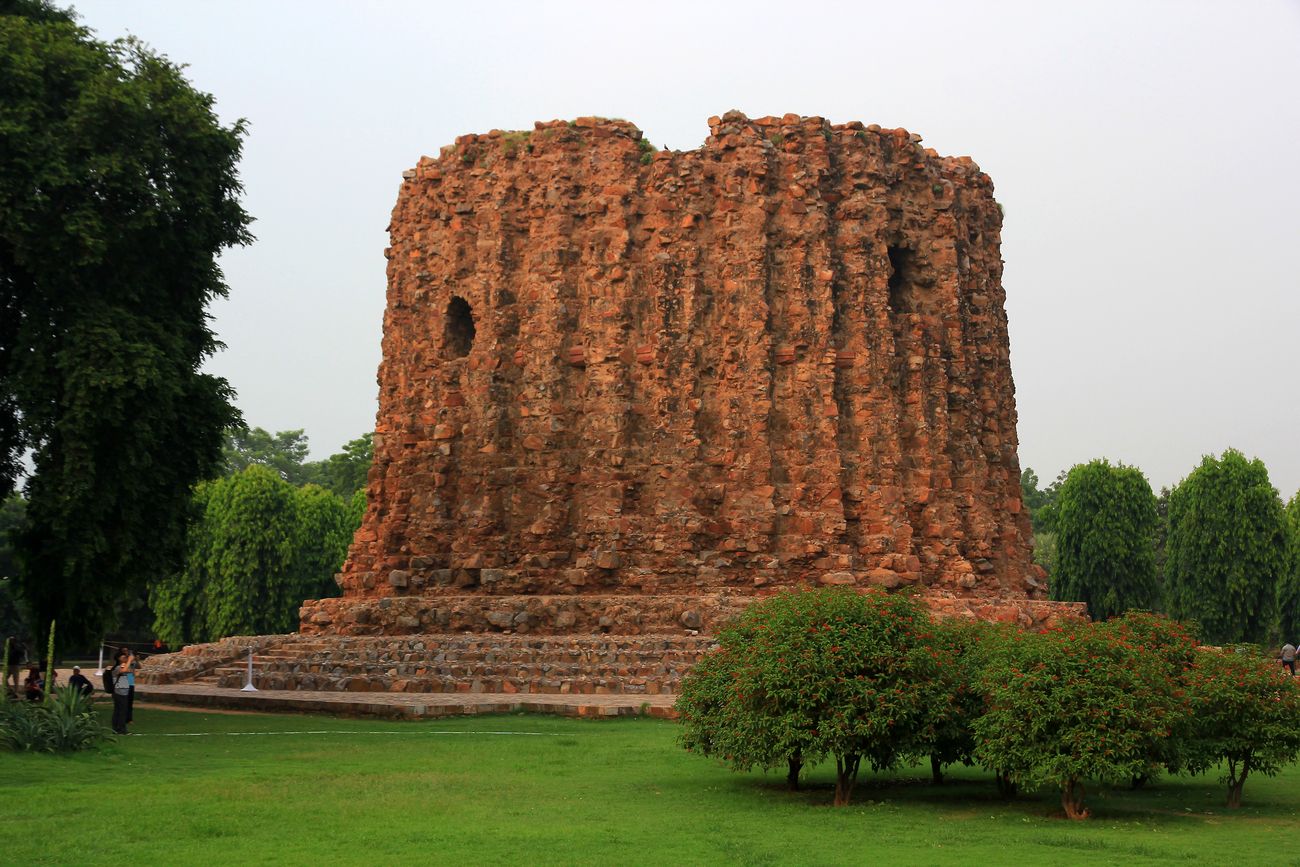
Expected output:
(936, 770)
(1072, 799)
(846, 774)
(795, 763)
(1007, 787)
(1236, 781)
(1139, 781)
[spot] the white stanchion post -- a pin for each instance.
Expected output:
(248, 687)
(100, 671)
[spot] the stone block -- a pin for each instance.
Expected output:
(838, 578)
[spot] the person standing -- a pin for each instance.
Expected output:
(132, 665)
(121, 693)
(17, 659)
(1288, 657)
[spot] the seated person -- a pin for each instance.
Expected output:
(79, 681)
(34, 685)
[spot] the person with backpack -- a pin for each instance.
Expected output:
(121, 691)
(1288, 657)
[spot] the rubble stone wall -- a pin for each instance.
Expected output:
(778, 359)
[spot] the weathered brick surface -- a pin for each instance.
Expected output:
(779, 359)
(623, 395)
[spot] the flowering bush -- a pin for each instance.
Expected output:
(1171, 645)
(806, 676)
(1244, 715)
(954, 700)
(1070, 704)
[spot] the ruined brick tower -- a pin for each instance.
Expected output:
(624, 391)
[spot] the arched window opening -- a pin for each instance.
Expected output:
(902, 282)
(458, 328)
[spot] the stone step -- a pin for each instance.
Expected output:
(651, 664)
(554, 671)
(580, 685)
(560, 614)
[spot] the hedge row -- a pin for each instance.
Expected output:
(811, 676)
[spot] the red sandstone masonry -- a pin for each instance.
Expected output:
(778, 359)
(624, 395)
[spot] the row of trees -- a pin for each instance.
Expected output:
(1220, 549)
(285, 452)
(119, 190)
(257, 547)
(268, 532)
(834, 674)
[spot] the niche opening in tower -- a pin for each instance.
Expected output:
(902, 280)
(458, 328)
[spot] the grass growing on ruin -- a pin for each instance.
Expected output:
(574, 792)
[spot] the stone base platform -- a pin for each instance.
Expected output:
(640, 665)
(406, 674)
(598, 615)
(407, 706)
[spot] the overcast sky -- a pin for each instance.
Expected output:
(1147, 155)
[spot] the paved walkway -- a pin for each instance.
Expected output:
(407, 705)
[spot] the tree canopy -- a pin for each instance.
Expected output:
(1105, 540)
(118, 189)
(1227, 548)
(285, 452)
(258, 547)
(802, 676)
(1288, 593)
(1041, 502)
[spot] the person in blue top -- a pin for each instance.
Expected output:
(132, 665)
(121, 692)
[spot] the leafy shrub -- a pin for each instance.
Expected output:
(1171, 645)
(70, 722)
(65, 723)
(804, 676)
(20, 727)
(1070, 704)
(947, 733)
(1244, 714)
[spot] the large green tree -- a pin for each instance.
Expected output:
(1227, 549)
(258, 547)
(284, 452)
(1041, 503)
(118, 188)
(1105, 540)
(344, 472)
(1288, 592)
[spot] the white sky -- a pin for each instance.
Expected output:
(1147, 155)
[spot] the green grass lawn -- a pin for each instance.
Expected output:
(577, 791)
